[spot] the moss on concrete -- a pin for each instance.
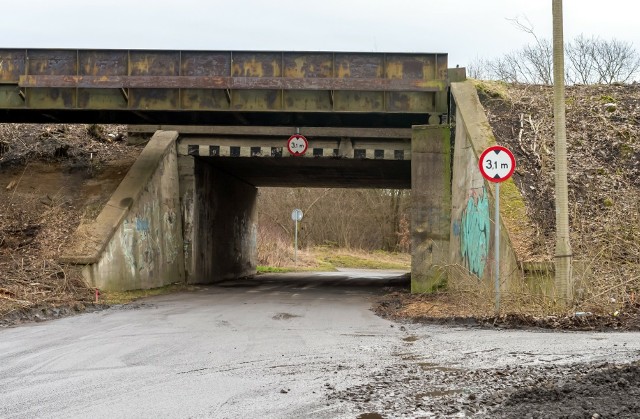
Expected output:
(513, 208)
(124, 297)
(493, 89)
(432, 281)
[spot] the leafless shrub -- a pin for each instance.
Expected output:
(614, 61)
(274, 248)
(590, 60)
(369, 219)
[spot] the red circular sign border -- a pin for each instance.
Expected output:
(501, 148)
(306, 144)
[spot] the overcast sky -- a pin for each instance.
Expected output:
(463, 28)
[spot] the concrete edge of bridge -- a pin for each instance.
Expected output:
(141, 218)
(472, 203)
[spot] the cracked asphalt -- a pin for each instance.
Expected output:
(281, 346)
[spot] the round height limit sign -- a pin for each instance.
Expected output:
(497, 164)
(297, 145)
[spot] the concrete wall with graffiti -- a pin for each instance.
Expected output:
(472, 214)
(136, 241)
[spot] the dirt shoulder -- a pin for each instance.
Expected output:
(454, 309)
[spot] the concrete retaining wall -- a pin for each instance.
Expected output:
(472, 211)
(136, 241)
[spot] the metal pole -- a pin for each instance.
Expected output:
(295, 252)
(497, 247)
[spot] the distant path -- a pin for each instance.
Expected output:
(276, 346)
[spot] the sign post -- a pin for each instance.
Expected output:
(497, 164)
(296, 215)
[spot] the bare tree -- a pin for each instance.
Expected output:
(614, 61)
(533, 64)
(539, 61)
(507, 68)
(478, 69)
(581, 65)
(590, 60)
(367, 219)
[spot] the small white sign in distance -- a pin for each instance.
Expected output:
(296, 215)
(497, 163)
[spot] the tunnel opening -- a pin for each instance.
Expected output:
(242, 206)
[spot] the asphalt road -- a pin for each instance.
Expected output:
(277, 346)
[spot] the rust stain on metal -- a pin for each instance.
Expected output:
(165, 82)
(308, 65)
(102, 63)
(256, 65)
(223, 80)
(12, 65)
(202, 63)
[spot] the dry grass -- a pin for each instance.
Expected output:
(30, 242)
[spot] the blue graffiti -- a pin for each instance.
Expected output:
(142, 225)
(476, 231)
(456, 228)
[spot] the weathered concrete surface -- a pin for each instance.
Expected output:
(473, 205)
(187, 190)
(136, 241)
(272, 347)
(224, 227)
(430, 206)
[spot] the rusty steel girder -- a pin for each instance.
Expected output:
(223, 81)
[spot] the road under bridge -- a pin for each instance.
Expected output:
(186, 210)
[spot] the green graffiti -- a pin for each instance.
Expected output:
(476, 230)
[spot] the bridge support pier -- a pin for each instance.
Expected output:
(220, 216)
(430, 206)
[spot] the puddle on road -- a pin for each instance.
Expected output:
(411, 338)
(284, 316)
(370, 415)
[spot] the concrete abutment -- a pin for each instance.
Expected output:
(430, 206)
(224, 230)
(136, 241)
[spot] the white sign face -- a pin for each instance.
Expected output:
(497, 164)
(296, 215)
(297, 145)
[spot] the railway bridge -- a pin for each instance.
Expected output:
(221, 120)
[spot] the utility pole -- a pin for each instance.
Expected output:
(563, 281)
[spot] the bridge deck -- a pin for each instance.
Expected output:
(156, 85)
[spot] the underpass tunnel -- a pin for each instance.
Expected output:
(220, 202)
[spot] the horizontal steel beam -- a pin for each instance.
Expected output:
(42, 81)
(327, 132)
(199, 82)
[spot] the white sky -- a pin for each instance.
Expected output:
(463, 28)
